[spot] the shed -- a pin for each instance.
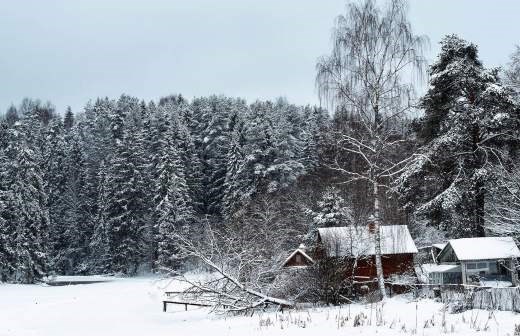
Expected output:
(299, 258)
(482, 258)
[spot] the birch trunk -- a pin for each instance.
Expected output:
(377, 241)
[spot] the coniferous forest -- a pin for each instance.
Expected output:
(102, 189)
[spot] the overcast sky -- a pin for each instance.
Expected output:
(70, 51)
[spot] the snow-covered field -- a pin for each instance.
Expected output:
(133, 307)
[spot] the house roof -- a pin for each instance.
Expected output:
(302, 252)
(359, 241)
(442, 268)
(484, 248)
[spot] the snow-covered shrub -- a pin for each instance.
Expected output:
(360, 320)
(517, 330)
(295, 284)
(457, 307)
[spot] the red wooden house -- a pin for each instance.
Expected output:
(356, 246)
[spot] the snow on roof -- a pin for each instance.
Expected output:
(442, 268)
(484, 248)
(301, 251)
(358, 241)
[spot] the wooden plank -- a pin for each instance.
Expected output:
(186, 304)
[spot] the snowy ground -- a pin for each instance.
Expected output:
(133, 307)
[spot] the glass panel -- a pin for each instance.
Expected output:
(471, 266)
(493, 267)
(482, 265)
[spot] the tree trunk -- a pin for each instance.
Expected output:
(479, 189)
(514, 271)
(377, 241)
(478, 229)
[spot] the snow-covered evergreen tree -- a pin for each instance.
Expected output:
(68, 120)
(239, 180)
(23, 207)
(332, 210)
(126, 211)
(100, 253)
(470, 119)
(174, 205)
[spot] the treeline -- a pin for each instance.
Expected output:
(100, 191)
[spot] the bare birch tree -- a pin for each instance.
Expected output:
(240, 276)
(503, 207)
(512, 72)
(370, 73)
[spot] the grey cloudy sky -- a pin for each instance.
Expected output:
(70, 51)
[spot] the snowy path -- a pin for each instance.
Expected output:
(133, 307)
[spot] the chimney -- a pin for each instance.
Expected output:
(371, 222)
(302, 247)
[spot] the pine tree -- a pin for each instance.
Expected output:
(469, 120)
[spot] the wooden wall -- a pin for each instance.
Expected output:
(294, 262)
(393, 264)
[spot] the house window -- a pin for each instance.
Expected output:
(477, 267)
(298, 258)
(493, 267)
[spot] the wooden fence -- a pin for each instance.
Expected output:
(474, 297)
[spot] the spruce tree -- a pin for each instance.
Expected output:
(68, 120)
(332, 210)
(174, 205)
(24, 210)
(100, 253)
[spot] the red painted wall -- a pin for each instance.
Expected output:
(393, 264)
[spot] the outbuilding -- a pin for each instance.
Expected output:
(298, 258)
(478, 261)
